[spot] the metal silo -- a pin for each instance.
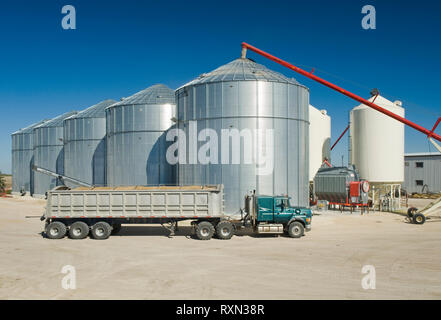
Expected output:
(136, 144)
(377, 142)
(48, 153)
(85, 144)
(377, 150)
(23, 159)
(319, 139)
(244, 98)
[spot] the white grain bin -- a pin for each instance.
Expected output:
(319, 139)
(377, 142)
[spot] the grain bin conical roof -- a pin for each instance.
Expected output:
(156, 94)
(242, 70)
(29, 129)
(96, 111)
(57, 121)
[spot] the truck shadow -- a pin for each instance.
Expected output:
(133, 231)
(184, 231)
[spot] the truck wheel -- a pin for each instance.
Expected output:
(224, 230)
(419, 218)
(101, 230)
(78, 230)
(56, 230)
(296, 229)
(204, 230)
(115, 229)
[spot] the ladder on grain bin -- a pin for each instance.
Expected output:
(431, 135)
(60, 177)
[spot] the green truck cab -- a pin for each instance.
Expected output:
(274, 214)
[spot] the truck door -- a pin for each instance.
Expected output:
(278, 206)
(280, 209)
(266, 209)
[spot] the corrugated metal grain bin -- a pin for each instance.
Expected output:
(85, 145)
(48, 153)
(242, 97)
(136, 142)
(23, 159)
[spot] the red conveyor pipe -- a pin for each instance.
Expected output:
(434, 127)
(341, 136)
(327, 163)
(343, 91)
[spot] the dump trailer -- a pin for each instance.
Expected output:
(100, 211)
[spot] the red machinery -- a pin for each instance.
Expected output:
(341, 187)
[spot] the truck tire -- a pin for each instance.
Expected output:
(419, 218)
(101, 230)
(78, 230)
(56, 230)
(204, 230)
(115, 229)
(224, 230)
(296, 229)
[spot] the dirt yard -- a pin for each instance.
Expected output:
(142, 263)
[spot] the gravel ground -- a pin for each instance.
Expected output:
(142, 263)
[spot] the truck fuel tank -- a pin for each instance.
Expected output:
(269, 228)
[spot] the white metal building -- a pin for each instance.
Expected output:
(422, 172)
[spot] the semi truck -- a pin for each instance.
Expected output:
(100, 211)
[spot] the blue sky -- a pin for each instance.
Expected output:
(121, 47)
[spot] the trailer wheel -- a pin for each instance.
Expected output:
(115, 229)
(101, 230)
(224, 230)
(419, 218)
(204, 230)
(78, 230)
(296, 229)
(56, 230)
